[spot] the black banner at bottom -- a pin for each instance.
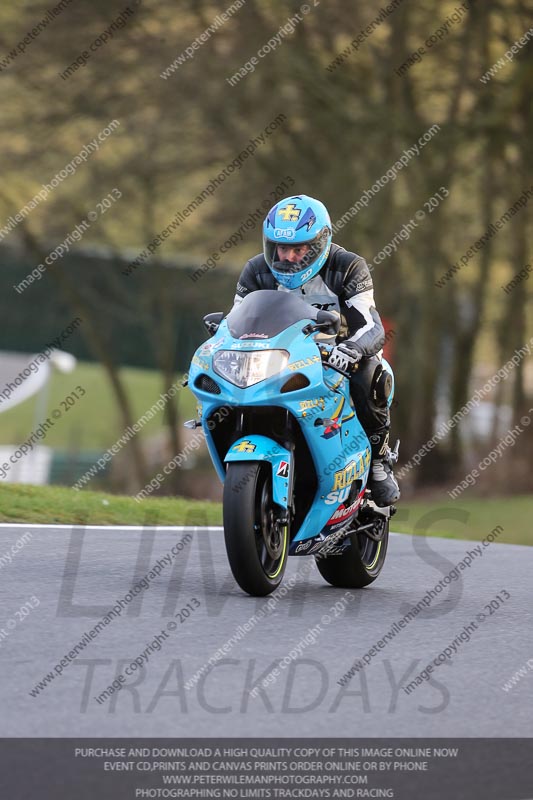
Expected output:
(405, 769)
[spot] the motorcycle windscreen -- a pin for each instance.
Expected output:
(266, 313)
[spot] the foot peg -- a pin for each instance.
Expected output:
(394, 454)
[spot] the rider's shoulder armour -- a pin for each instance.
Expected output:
(346, 273)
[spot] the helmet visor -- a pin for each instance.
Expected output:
(317, 247)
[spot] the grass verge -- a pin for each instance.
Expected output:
(479, 517)
(57, 504)
(93, 422)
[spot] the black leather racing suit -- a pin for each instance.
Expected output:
(344, 284)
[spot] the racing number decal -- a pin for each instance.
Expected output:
(244, 447)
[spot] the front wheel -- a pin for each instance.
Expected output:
(361, 562)
(256, 543)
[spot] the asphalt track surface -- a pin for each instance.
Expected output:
(77, 575)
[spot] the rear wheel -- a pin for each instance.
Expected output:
(362, 561)
(256, 544)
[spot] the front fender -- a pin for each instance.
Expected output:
(262, 448)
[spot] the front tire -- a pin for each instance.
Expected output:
(256, 545)
(360, 564)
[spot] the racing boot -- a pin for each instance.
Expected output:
(381, 482)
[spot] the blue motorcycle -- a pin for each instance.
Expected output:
(285, 440)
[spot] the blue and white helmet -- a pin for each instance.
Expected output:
(296, 221)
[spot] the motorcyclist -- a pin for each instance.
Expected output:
(299, 256)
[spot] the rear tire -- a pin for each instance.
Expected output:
(257, 548)
(360, 564)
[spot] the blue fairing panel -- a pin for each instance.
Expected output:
(261, 448)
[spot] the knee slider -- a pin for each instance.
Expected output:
(381, 387)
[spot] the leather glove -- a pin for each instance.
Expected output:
(344, 357)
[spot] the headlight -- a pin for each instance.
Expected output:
(246, 368)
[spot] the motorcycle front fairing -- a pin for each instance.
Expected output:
(316, 398)
(218, 393)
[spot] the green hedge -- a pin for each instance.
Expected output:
(124, 306)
